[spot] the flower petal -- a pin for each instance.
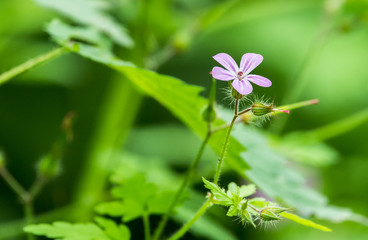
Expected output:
(222, 74)
(243, 86)
(249, 62)
(259, 80)
(227, 61)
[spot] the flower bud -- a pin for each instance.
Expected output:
(209, 114)
(49, 167)
(277, 209)
(268, 215)
(2, 159)
(235, 93)
(260, 109)
(247, 217)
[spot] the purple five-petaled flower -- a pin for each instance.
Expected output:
(240, 75)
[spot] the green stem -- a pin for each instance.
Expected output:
(146, 225)
(6, 76)
(297, 105)
(28, 213)
(37, 186)
(339, 127)
(26, 197)
(207, 204)
(115, 118)
(189, 224)
(182, 187)
(226, 142)
(14, 184)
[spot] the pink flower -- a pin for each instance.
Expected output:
(240, 75)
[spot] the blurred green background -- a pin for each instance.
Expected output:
(311, 49)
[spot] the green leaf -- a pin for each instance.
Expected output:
(63, 33)
(304, 221)
(68, 231)
(207, 226)
(114, 209)
(233, 211)
(218, 193)
(90, 13)
(298, 147)
(232, 189)
(114, 231)
(247, 190)
(137, 197)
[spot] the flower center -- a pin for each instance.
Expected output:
(240, 75)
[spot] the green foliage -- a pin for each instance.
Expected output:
(160, 173)
(114, 231)
(255, 211)
(68, 231)
(298, 147)
(90, 13)
(99, 51)
(220, 196)
(137, 197)
(303, 221)
(268, 168)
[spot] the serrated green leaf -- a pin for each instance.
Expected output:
(128, 209)
(90, 13)
(305, 222)
(63, 33)
(137, 197)
(247, 190)
(218, 193)
(233, 211)
(68, 231)
(232, 189)
(114, 231)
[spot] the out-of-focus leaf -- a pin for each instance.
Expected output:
(68, 231)
(137, 197)
(305, 222)
(300, 148)
(62, 33)
(90, 13)
(114, 208)
(114, 231)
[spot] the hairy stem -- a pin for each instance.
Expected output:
(207, 204)
(226, 142)
(6, 76)
(182, 187)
